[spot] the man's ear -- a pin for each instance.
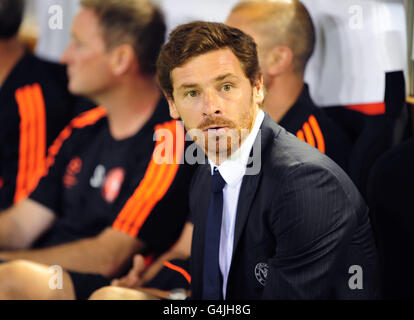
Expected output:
(259, 90)
(173, 109)
(279, 60)
(122, 59)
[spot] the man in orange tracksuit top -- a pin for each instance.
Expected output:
(35, 105)
(114, 184)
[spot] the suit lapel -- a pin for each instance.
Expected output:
(247, 194)
(197, 250)
(250, 183)
(268, 131)
(203, 204)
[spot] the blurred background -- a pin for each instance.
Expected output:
(357, 39)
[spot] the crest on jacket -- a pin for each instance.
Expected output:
(261, 270)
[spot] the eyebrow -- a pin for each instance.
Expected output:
(217, 79)
(187, 86)
(225, 76)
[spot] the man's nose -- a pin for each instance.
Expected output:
(211, 103)
(64, 59)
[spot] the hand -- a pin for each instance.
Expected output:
(134, 277)
(140, 274)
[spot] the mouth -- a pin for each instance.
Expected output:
(216, 130)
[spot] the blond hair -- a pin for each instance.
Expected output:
(282, 22)
(136, 22)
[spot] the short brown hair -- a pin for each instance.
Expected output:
(196, 38)
(136, 22)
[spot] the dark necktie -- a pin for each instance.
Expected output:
(211, 271)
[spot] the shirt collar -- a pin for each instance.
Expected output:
(233, 169)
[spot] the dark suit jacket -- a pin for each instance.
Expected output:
(301, 227)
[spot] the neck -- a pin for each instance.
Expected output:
(282, 93)
(130, 105)
(11, 51)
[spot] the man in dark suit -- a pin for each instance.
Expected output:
(273, 217)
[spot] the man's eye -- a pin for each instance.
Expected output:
(191, 94)
(227, 87)
(77, 43)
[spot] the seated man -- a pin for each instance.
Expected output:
(283, 54)
(110, 191)
(35, 107)
(284, 33)
(273, 217)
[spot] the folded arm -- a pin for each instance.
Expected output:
(105, 254)
(23, 223)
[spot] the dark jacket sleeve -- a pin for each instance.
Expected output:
(312, 220)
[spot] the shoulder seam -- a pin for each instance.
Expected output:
(152, 188)
(88, 118)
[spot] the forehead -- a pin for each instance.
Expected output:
(208, 67)
(86, 24)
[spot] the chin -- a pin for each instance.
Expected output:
(218, 148)
(73, 88)
(78, 90)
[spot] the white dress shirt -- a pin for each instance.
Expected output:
(232, 170)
